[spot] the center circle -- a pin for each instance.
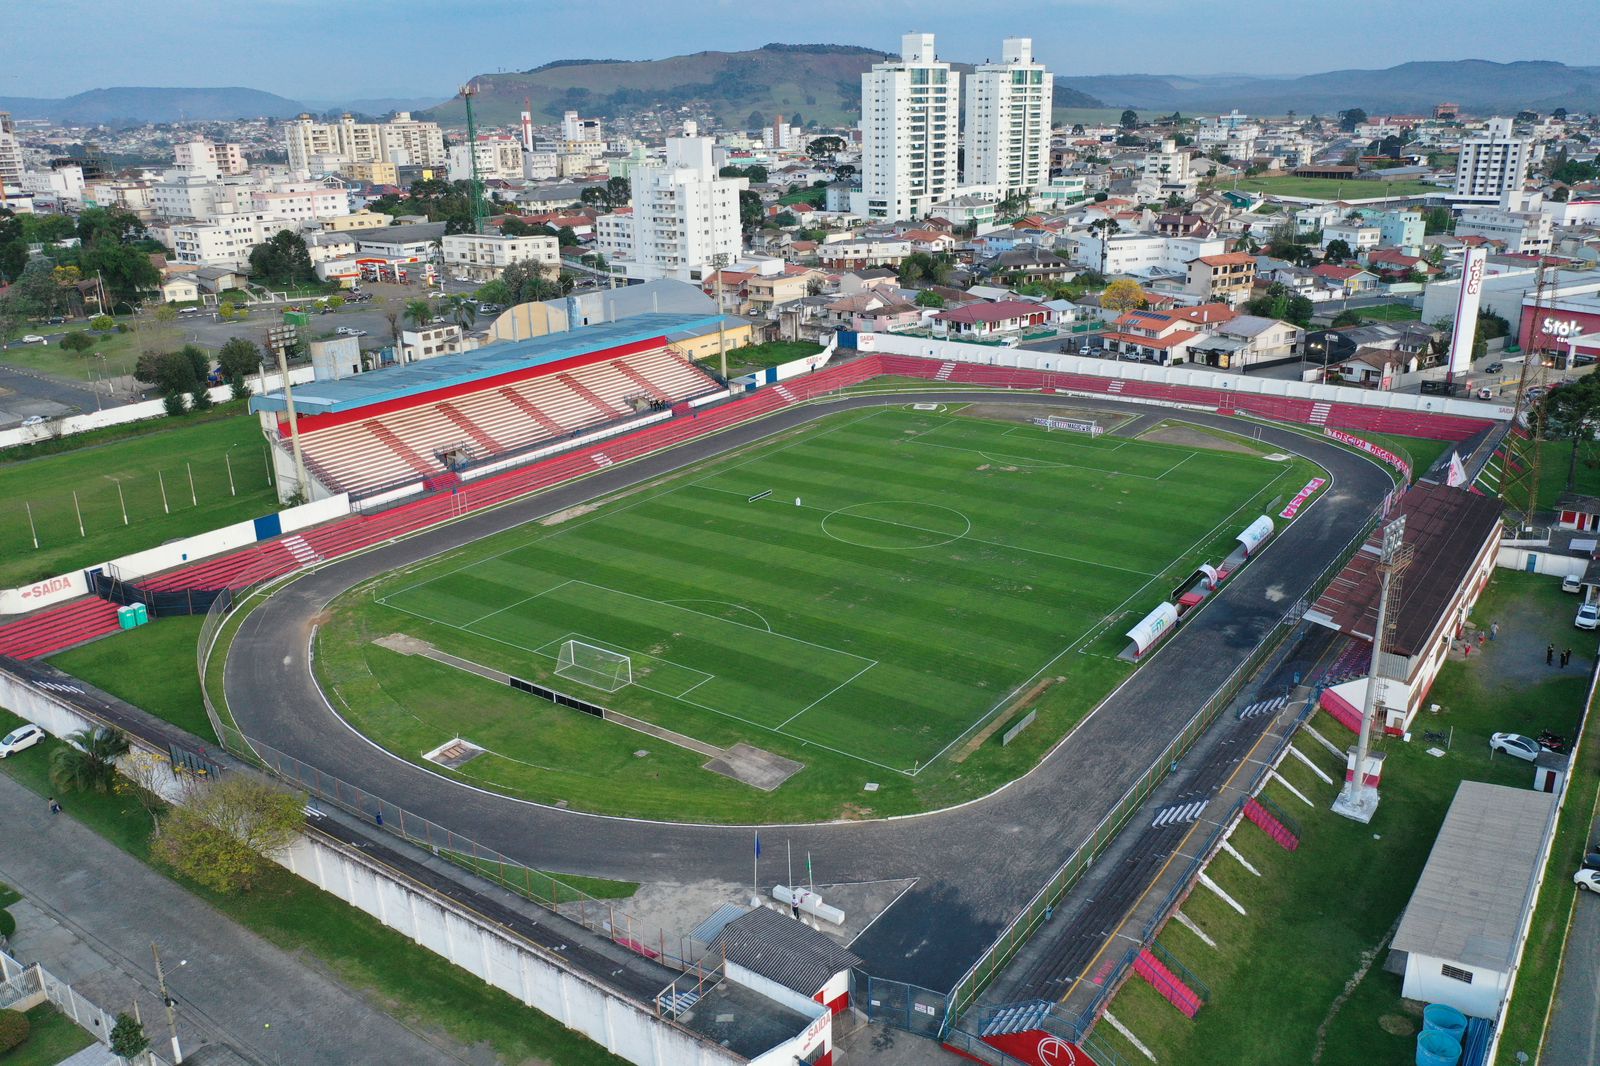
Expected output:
(896, 524)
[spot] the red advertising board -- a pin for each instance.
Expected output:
(1039, 1048)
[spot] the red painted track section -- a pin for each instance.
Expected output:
(54, 629)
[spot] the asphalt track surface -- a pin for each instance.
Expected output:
(975, 865)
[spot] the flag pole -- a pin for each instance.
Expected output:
(789, 847)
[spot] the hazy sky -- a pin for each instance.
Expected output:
(344, 49)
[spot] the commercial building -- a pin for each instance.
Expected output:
(374, 172)
(10, 152)
(498, 158)
(1519, 231)
(685, 217)
(1142, 253)
(1222, 278)
(1492, 164)
(1458, 939)
(318, 146)
(909, 133)
(1007, 129)
(201, 156)
(302, 201)
(481, 257)
(225, 242)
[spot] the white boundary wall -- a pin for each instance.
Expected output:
(622, 1026)
(1246, 384)
(154, 560)
(135, 412)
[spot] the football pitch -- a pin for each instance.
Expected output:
(873, 588)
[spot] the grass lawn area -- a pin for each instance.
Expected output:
(813, 195)
(760, 356)
(1423, 451)
(45, 496)
(544, 888)
(53, 1037)
(1332, 189)
(1391, 313)
(1346, 887)
(936, 569)
(151, 667)
(121, 351)
(408, 981)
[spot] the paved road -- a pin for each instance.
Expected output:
(1574, 1034)
(99, 909)
(976, 865)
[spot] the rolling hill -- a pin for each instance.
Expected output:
(144, 104)
(1479, 86)
(820, 82)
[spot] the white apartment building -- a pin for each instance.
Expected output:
(1522, 231)
(302, 201)
(1142, 253)
(10, 152)
(613, 234)
(481, 257)
(498, 158)
(574, 128)
(181, 194)
(909, 133)
(685, 217)
(1360, 235)
(1007, 129)
(58, 186)
(403, 140)
(1164, 172)
(208, 158)
(1492, 164)
(225, 242)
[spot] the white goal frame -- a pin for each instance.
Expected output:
(594, 666)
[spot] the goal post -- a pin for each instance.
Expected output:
(594, 666)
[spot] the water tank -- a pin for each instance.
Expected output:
(1437, 1048)
(1445, 1019)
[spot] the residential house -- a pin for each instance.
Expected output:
(768, 292)
(1225, 278)
(982, 321)
(430, 341)
(1354, 281)
(1248, 340)
(853, 255)
(1154, 336)
(873, 311)
(1029, 263)
(1391, 264)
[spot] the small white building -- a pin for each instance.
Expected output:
(430, 341)
(1458, 938)
(481, 257)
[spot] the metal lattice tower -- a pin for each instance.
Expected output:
(468, 91)
(1519, 484)
(1357, 799)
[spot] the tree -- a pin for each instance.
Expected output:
(463, 312)
(929, 298)
(391, 309)
(786, 218)
(128, 1040)
(1124, 294)
(1129, 120)
(920, 266)
(37, 289)
(827, 145)
(13, 246)
(419, 312)
(1338, 251)
(126, 270)
(282, 259)
(169, 372)
(1348, 317)
(88, 760)
(172, 403)
(226, 311)
(1300, 310)
(612, 194)
(335, 301)
(1351, 118)
(749, 210)
(527, 281)
(77, 341)
(1572, 411)
(494, 292)
(1013, 205)
(1247, 244)
(226, 832)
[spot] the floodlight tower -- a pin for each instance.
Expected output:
(1519, 481)
(1358, 800)
(468, 91)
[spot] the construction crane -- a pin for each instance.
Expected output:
(468, 91)
(1519, 483)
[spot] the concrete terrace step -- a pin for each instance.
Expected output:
(1179, 814)
(1017, 1018)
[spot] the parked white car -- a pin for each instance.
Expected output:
(1515, 745)
(1588, 617)
(34, 338)
(1572, 583)
(1588, 880)
(20, 738)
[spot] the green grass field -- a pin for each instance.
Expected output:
(39, 495)
(1331, 189)
(760, 356)
(860, 596)
(53, 1038)
(1347, 884)
(1391, 313)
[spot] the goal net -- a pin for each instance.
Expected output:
(599, 668)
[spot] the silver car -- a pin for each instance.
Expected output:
(1515, 745)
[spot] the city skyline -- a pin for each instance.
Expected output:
(319, 54)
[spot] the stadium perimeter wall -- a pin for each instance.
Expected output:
(623, 1026)
(1029, 359)
(68, 586)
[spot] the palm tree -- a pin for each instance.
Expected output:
(1104, 228)
(463, 312)
(88, 762)
(419, 312)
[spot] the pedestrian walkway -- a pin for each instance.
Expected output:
(90, 912)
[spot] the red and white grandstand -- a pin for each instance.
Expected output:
(382, 430)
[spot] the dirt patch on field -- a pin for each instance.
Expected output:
(1190, 437)
(1027, 412)
(1026, 700)
(567, 515)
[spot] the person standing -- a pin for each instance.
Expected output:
(1566, 657)
(1549, 654)
(1494, 630)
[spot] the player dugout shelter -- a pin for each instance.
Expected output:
(1454, 538)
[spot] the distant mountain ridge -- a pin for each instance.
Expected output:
(818, 82)
(145, 104)
(1478, 85)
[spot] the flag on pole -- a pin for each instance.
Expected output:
(758, 843)
(1458, 473)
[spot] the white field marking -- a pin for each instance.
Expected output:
(970, 539)
(724, 603)
(825, 695)
(997, 457)
(1231, 850)
(1174, 466)
(605, 510)
(949, 537)
(1067, 437)
(1127, 1034)
(1205, 879)
(513, 603)
(1324, 741)
(1298, 754)
(1108, 619)
(1273, 773)
(1189, 924)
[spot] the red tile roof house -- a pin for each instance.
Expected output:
(1155, 336)
(1391, 264)
(981, 321)
(1354, 279)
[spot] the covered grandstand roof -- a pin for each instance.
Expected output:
(379, 386)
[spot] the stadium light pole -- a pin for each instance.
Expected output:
(1358, 800)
